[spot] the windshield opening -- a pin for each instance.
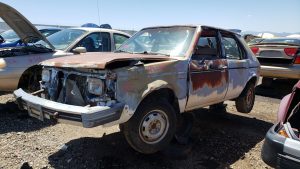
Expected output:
(171, 41)
(10, 36)
(63, 39)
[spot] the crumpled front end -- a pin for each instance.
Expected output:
(85, 97)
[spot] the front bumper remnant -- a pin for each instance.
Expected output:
(280, 152)
(87, 117)
(289, 72)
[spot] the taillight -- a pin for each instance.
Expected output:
(283, 133)
(290, 51)
(297, 59)
(254, 50)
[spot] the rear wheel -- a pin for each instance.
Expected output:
(152, 127)
(244, 103)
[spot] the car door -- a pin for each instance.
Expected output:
(238, 63)
(208, 71)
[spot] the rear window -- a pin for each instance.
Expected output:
(282, 40)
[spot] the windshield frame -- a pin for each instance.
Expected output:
(185, 52)
(70, 45)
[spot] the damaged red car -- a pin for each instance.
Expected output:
(281, 148)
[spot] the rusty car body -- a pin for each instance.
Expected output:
(18, 65)
(154, 76)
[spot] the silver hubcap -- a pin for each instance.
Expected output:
(154, 127)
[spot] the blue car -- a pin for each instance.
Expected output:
(9, 38)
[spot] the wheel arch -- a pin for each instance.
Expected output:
(24, 77)
(162, 93)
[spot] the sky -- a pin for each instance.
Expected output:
(247, 15)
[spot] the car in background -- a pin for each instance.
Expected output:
(279, 58)
(9, 38)
(19, 64)
(255, 40)
(73, 40)
(281, 148)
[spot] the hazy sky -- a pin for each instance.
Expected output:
(254, 15)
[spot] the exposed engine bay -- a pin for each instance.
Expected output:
(23, 50)
(80, 87)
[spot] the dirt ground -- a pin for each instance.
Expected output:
(218, 140)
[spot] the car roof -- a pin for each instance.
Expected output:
(285, 38)
(191, 25)
(48, 28)
(100, 30)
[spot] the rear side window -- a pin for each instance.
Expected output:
(232, 47)
(119, 39)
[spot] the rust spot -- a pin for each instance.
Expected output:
(210, 73)
(211, 79)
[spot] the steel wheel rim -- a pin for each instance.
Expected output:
(154, 126)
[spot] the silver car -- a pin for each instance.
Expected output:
(279, 58)
(18, 65)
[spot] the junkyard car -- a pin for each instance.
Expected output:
(281, 148)
(18, 65)
(279, 57)
(153, 77)
(9, 38)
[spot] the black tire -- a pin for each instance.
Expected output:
(245, 102)
(266, 81)
(219, 107)
(134, 130)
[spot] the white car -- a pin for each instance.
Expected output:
(18, 65)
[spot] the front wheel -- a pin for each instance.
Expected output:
(152, 127)
(245, 102)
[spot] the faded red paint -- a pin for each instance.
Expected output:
(211, 79)
(98, 59)
(156, 68)
(197, 39)
(211, 73)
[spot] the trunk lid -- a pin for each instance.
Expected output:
(275, 53)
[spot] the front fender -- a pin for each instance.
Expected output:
(133, 100)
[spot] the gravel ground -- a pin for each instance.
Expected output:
(218, 140)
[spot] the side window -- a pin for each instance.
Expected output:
(119, 39)
(231, 47)
(207, 45)
(96, 42)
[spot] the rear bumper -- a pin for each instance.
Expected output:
(84, 116)
(287, 72)
(280, 152)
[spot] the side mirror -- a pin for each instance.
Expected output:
(79, 50)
